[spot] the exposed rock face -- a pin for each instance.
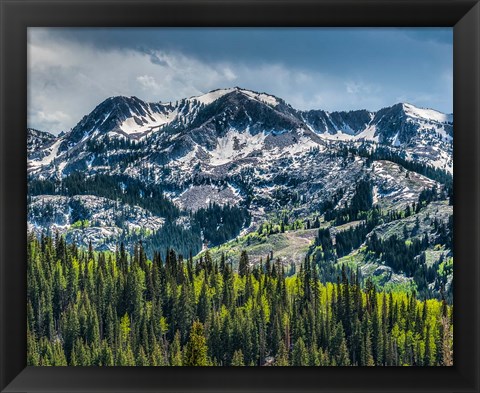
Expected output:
(227, 147)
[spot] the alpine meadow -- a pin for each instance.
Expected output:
(233, 228)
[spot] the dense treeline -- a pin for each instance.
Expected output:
(388, 154)
(399, 252)
(405, 253)
(221, 223)
(89, 308)
(212, 225)
(127, 190)
(360, 203)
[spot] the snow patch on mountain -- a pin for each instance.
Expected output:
(198, 197)
(214, 95)
(262, 97)
(396, 141)
(51, 151)
(147, 124)
(427, 114)
(394, 185)
(367, 134)
(303, 144)
(235, 145)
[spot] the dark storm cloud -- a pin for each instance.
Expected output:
(309, 67)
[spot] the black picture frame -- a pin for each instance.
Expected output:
(17, 15)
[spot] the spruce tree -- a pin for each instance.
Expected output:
(237, 359)
(196, 351)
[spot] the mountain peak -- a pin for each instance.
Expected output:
(426, 113)
(37, 139)
(234, 123)
(118, 113)
(121, 104)
(214, 95)
(207, 117)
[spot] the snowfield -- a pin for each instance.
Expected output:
(427, 114)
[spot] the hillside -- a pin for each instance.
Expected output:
(235, 170)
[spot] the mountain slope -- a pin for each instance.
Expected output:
(203, 170)
(229, 124)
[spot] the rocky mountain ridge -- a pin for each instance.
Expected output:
(201, 171)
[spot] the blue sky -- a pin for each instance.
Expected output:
(71, 70)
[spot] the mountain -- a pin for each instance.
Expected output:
(224, 125)
(37, 140)
(203, 170)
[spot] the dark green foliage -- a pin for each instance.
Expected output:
(218, 224)
(360, 203)
(388, 154)
(427, 195)
(399, 253)
(221, 223)
(122, 188)
(104, 309)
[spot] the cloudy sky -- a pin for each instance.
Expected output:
(72, 70)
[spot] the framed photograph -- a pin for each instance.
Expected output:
(269, 196)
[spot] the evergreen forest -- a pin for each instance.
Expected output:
(92, 308)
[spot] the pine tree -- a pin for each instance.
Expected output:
(130, 311)
(243, 264)
(343, 357)
(428, 358)
(282, 356)
(196, 351)
(300, 354)
(176, 351)
(237, 359)
(203, 308)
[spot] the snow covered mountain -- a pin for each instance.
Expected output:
(228, 124)
(36, 139)
(130, 169)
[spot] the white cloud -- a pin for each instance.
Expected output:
(147, 81)
(229, 74)
(67, 79)
(51, 119)
(72, 79)
(360, 87)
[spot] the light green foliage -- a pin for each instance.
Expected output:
(107, 309)
(81, 224)
(238, 358)
(196, 351)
